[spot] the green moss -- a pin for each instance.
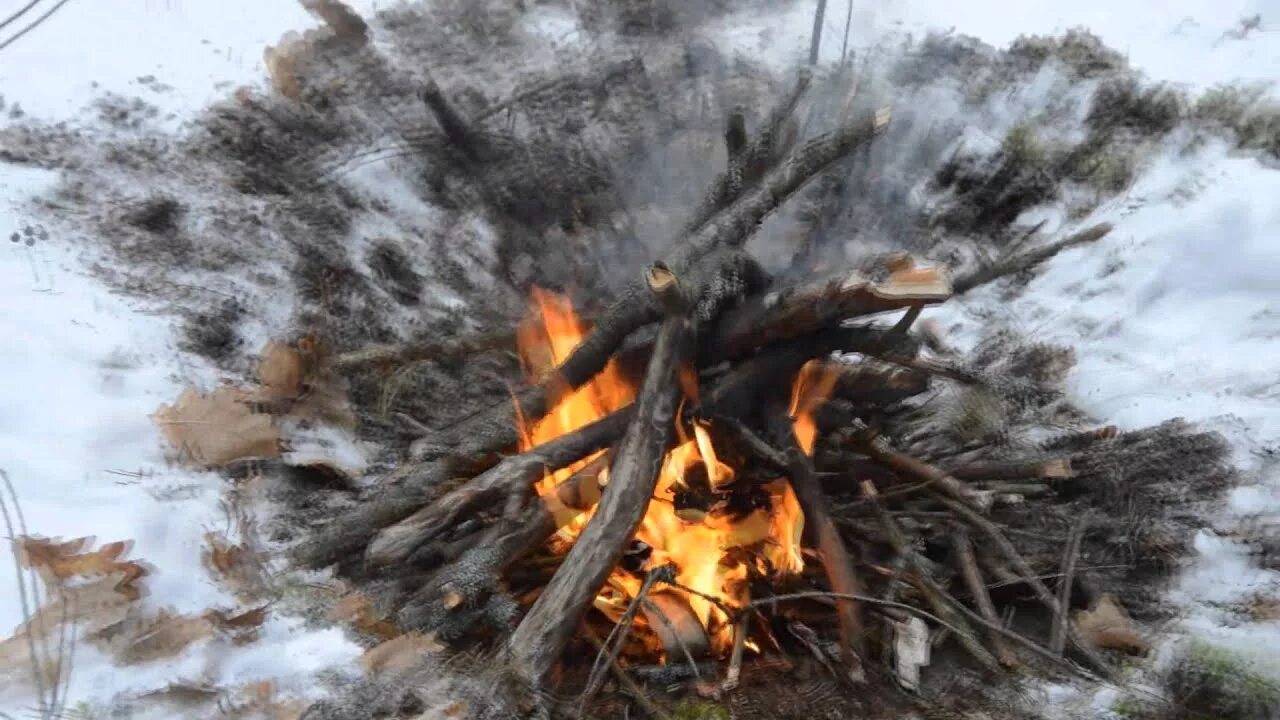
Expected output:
(1209, 681)
(694, 710)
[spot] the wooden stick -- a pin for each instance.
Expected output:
(455, 127)
(621, 630)
(973, 580)
(836, 561)
(1028, 576)
(1052, 469)
(751, 161)
(816, 40)
(734, 673)
(637, 693)
(537, 643)
(514, 474)
(878, 449)
(937, 598)
(1062, 621)
(1029, 259)
(775, 318)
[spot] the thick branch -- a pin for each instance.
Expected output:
(774, 318)
(541, 637)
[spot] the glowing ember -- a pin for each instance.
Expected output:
(708, 549)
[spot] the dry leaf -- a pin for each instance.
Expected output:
(326, 402)
(1107, 625)
(281, 371)
(57, 562)
(234, 566)
(213, 430)
(399, 654)
(242, 628)
(282, 64)
(260, 700)
(159, 638)
(356, 609)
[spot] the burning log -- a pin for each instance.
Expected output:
(536, 644)
(353, 532)
(837, 562)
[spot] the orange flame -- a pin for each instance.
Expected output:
(813, 385)
(706, 549)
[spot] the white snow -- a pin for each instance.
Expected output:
(82, 369)
(1176, 313)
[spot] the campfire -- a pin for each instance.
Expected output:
(717, 469)
(711, 526)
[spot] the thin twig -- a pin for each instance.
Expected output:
(938, 599)
(34, 24)
(36, 665)
(978, 590)
(620, 629)
(1062, 621)
(1021, 566)
(735, 659)
(666, 622)
(626, 681)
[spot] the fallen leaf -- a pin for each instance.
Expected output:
(234, 566)
(57, 562)
(399, 654)
(356, 609)
(326, 402)
(1107, 625)
(242, 628)
(213, 430)
(281, 371)
(159, 638)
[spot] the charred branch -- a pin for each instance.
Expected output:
(836, 560)
(541, 637)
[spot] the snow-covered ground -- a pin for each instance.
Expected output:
(1176, 313)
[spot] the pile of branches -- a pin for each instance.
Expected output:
(923, 516)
